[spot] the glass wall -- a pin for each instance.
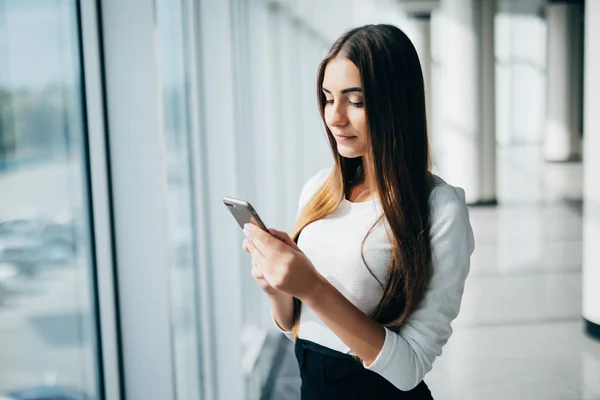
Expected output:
(47, 295)
(175, 121)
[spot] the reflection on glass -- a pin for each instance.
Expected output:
(173, 73)
(47, 324)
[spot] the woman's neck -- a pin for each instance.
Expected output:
(367, 189)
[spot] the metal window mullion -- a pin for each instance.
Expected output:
(101, 220)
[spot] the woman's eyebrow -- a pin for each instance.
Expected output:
(347, 90)
(352, 89)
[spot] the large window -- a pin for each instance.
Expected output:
(47, 302)
(176, 133)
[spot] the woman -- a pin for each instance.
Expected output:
(373, 274)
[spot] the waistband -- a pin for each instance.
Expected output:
(326, 351)
(323, 363)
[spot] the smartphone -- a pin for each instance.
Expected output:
(243, 212)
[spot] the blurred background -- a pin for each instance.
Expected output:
(124, 123)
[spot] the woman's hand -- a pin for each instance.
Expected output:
(255, 272)
(278, 264)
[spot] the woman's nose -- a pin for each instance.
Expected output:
(337, 116)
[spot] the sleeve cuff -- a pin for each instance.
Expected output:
(403, 375)
(382, 359)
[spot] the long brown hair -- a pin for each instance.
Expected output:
(394, 101)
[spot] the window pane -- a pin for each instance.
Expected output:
(47, 319)
(176, 127)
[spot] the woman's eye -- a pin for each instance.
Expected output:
(352, 103)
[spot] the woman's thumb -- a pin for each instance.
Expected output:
(285, 238)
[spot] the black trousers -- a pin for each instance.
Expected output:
(329, 375)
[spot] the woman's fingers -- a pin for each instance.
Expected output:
(284, 237)
(251, 248)
(255, 257)
(256, 274)
(247, 246)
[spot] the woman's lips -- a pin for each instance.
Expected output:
(344, 138)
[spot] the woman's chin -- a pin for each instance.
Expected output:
(349, 152)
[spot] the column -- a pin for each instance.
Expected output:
(487, 60)
(466, 119)
(564, 89)
(591, 163)
(421, 38)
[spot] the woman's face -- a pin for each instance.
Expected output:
(344, 112)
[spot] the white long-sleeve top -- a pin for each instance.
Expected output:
(333, 245)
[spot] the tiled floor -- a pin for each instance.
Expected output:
(519, 334)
